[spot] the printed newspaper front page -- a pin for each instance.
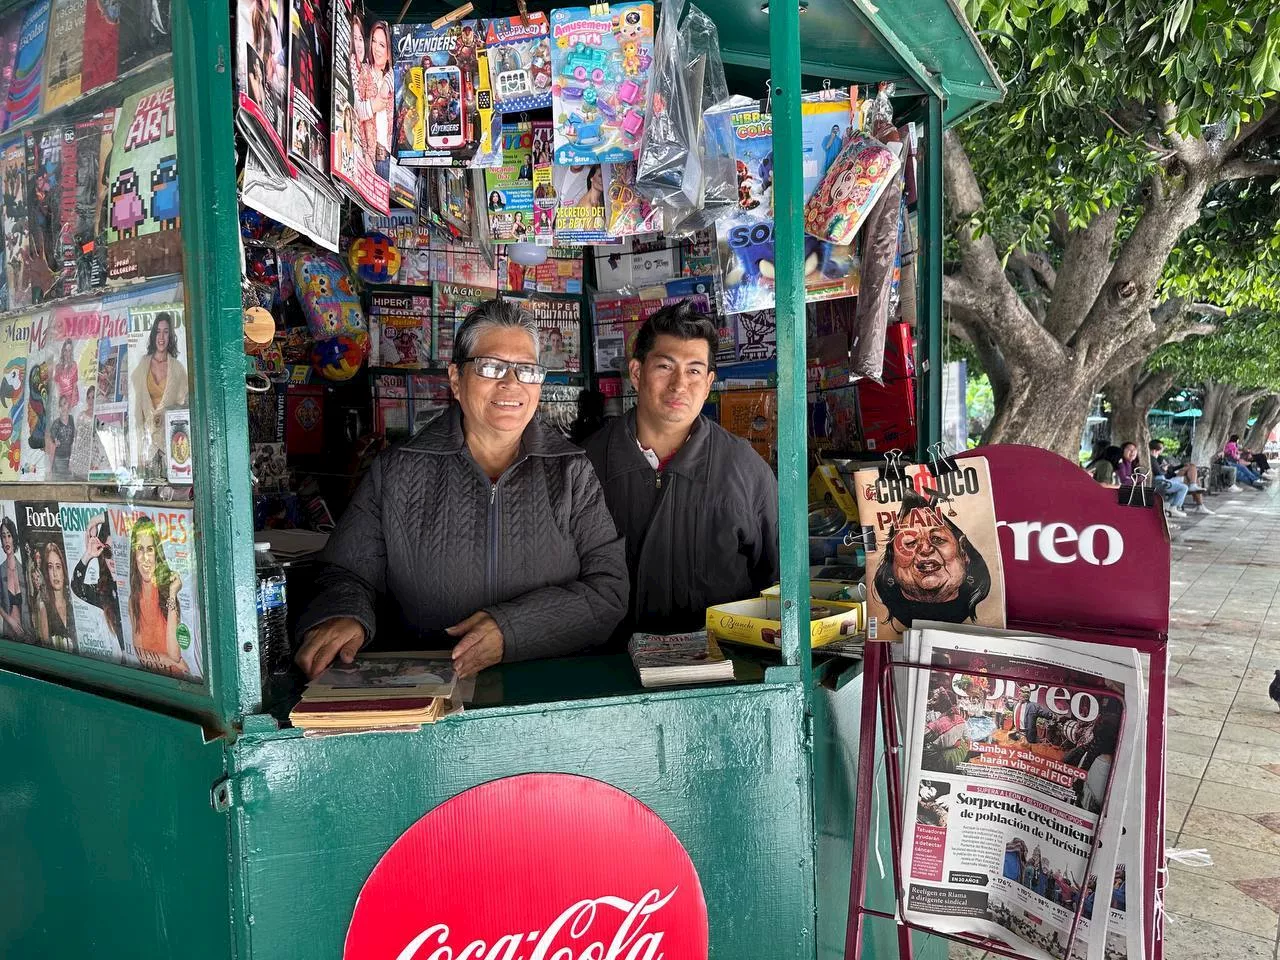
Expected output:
(1015, 790)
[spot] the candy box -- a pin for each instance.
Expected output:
(748, 622)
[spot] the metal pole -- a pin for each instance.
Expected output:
(788, 195)
(929, 401)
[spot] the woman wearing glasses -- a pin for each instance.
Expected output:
(487, 530)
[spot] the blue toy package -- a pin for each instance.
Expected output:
(519, 62)
(600, 65)
(437, 76)
(744, 239)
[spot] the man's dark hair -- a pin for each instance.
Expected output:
(1154, 444)
(1235, 438)
(678, 320)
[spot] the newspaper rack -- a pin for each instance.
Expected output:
(1081, 564)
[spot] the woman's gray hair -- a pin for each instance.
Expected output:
(492, 314)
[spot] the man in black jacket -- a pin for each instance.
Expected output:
(698, 506)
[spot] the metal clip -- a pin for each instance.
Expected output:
(942, 459)
(1145, 494)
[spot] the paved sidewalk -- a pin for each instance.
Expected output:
(1224, 733)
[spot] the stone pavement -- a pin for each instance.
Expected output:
(1224, 733)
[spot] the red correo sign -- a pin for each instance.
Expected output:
(537, 867)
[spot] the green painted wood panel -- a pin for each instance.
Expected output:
(110, 846)
(837, 722)
(727, 770)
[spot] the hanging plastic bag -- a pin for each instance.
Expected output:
(667, 171)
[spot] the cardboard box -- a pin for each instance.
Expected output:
(820, 591)
(888, 414)
(745, 622)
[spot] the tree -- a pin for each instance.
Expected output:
(1126, 125)
(1236, 367)
(1268, 418)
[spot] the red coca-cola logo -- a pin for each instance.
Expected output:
(537, 867)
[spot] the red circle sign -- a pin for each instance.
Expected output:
(542, 866)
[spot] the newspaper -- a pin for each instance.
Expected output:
(1014, 790)
(933, 552)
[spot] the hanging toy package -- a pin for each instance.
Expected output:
(879, 249)
(718, 190)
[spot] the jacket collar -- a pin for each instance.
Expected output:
(693, 460)
(443, 437)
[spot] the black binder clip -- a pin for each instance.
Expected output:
(1137, 494)
(942, 459)
(894, 467)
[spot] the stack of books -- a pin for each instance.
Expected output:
(379, 691)
(678, 658)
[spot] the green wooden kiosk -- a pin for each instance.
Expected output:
(146, 816)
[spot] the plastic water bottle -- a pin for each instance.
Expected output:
(273, 613)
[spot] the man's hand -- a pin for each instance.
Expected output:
(341, 637)
(481, 644)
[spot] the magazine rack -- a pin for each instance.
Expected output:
(1079, 563)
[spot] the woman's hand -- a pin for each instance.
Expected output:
(340, 637)
(481, 644)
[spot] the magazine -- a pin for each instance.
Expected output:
(65, 56)
(144, 32)
(101, 44)
(109, 452)
(1014, 745)
(155, 571)
(509, 188)
(452, 302)
(40, 361)
(25, 91)
(581, 217)
(74, 339)
(15, 339)
(560, 327)
(88, 215)
(44, 205)
(354, 124)
(385, 677)
(95, 587)
(309, 50)
(400, 329)
(544, 190)
(144, 236)
(519, 62)
(157, 350)
(262, 79)
(302, 203)
(932, 548)
(48, 578)
(17, 222)
(10, 26)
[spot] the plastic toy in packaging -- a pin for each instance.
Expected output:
(851, 187)
(519, 62)
(600, 63)
(437, 76)
(334, 317)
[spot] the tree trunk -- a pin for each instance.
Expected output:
(1132, 394)
(1044, 407)
(1268, 419)
(1218, 410)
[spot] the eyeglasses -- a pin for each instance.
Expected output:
(493, 368)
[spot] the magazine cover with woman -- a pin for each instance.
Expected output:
(932, 548)
(157, 382)
(1018, 768)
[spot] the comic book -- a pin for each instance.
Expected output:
(509, 188)
(44, 205)
(74, 341)
(144, 238)
(101, 43)
(600, 63)
(580, 206)
(93, 570)
(757, 335)
(391, 405)
(17, 221)
(48, 576)
(15, 337)
(109, 460)
(28, 68)
(10, 27)
(352, 152)
(144, 32)
(88, 220)
(262, 82)
(519, 62)
(156, 573)
(309, 51)
(452, 302)
(157, 347)
(931, 546)
(560, 329)
(64, 59)
(544, 190)
(437, 77)
(40, 360)
(404, 324)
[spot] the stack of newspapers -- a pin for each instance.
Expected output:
(1024, 791)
